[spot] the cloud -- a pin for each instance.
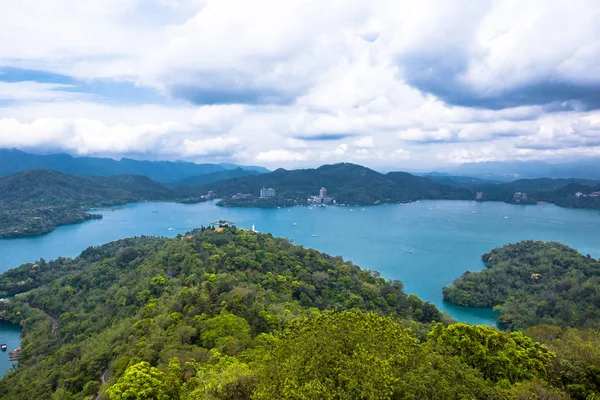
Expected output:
(364, 142)
(302, 82)
(324, 136)
(281, 155)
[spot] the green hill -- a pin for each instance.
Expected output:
(232, 314)
(200, 180)
(150, 299)
(36, 201)
(534, 283)
(347, 183)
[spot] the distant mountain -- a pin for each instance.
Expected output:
(561, 192)
(348, 183)
(213, 177)
(260, 170)
(511, 170)
(456, 180)
(36, 201)
(12, 161)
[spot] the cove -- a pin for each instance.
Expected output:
(425, 244)
(9, 335)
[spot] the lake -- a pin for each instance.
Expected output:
(425, 245)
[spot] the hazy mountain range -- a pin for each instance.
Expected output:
(513, 170)
(12, 160)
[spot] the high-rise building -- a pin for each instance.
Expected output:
(323, 193)
(264, 192)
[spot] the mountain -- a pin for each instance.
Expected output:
(36, 201)
(347, 183)
(199, 180)
(562, 192)
(511, 170)
(12, 161)
(260, 170)
(456, 180)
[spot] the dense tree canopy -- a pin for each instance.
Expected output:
(233, 314)
(36, 201)
(534, 283)
(151, 299)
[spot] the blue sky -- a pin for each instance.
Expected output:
(385, 83)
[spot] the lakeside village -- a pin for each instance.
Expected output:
(266, 194)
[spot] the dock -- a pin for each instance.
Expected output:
(14, 355)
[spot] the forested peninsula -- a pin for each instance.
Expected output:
(532, 283)
(223, 313)
(37, 201)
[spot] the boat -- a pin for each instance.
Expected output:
(295, 223)
(505, 217)
(363, 209)
(170, 229)
(3, 347)
(408, 251)
(314, 235)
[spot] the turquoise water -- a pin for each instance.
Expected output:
(9, 335)
(425, 245)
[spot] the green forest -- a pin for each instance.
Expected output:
(348, 183)
(231, 314)
(37, 201)
(532, 283)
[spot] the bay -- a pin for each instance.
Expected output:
(425, 244)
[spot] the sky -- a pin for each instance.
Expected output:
(383, 83)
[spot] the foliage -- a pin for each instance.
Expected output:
(152, 299)
(347, 183)
(498, 355)
(36, 201)
(532, 283)
(577, 365)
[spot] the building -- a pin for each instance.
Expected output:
(264, 192)
(519, 197)
(479, 196)
(321, 199)
(594, 194)
(578, 194)
(323, 193)
(209, 196)
(242, 196)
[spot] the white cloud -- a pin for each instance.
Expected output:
(281, 155)
(313, 81)
(364, 142)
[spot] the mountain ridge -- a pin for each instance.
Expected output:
(14, 160)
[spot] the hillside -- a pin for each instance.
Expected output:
(561, 192)
(200, 180)
(36, 201)
(347, 183)
(534, 283)
(232, 314)
(150, 299)
(12, 161)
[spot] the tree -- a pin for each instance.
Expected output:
(140, 382)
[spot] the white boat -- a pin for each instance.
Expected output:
(170, 229)
(314, 235)
(295, 223)
(505, 217)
